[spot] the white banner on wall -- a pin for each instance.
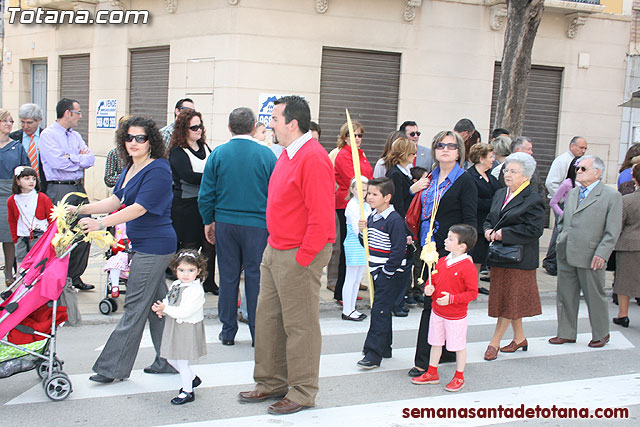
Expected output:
(106, 113)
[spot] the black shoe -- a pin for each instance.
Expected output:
(638, 301)
(622, 321)
(215, 290)
(483, 291)
(189, 397)
(225, 342)
(196, 382)
(486, 279)
(101, 379)
(80, 285)
(415, 372)
(152, 370)
(419, 297)
(399, 313)
(405, 308)
(367, 364)
(360, 318)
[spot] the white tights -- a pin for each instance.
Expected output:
(186, 374)
(352, 280)
(114, 276)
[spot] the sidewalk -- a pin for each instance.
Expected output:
(88, 300)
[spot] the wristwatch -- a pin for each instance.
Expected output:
(100, 224)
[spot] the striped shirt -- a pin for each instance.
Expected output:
(387, 242)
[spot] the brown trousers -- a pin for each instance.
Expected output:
(288, 337)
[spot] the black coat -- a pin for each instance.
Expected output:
(402, 197)
(486, 190)
(523, 225)
(459, 205)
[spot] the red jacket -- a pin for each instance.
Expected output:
(460, 280)
(43, 209)
(344, 173)
(300, 206)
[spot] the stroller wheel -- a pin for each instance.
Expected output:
(105, 306)
(114, 304)
(43, 367)
(58, 387)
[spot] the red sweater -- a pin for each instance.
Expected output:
(43, 209)
(300, 205)
(461, 281)
(344, 173)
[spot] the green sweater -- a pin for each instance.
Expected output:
(235, 182)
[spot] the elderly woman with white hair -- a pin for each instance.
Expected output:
(514, 226)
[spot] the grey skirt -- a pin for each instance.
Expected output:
(183, 341)
(627, 280)
(5, 192)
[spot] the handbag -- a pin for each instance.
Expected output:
(504, 253)
(414, 214)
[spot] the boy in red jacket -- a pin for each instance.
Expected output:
(454, 284)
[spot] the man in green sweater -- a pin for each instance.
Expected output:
(233, 205)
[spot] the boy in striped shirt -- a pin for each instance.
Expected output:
(388, 241)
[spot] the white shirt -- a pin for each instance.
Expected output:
(293, 148)
(27, 204)
(191, 305)
(558, 172)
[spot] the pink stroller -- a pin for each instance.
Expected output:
(41, 282)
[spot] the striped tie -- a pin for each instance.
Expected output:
(33, 154)
(582, 195)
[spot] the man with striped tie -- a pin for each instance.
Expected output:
(587, 233)
(30, 119)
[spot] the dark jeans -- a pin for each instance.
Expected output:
(342, 267)
(240, 247)
(380, 336)
(398, 303)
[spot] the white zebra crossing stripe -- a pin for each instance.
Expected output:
(604, 392)
(331, 365)
(336, 326)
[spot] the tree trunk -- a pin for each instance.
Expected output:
(523, 19)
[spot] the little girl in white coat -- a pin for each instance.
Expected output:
(356, 260)
(183, 338)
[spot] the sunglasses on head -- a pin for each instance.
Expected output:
(450, 146)
(195, 127)
(139, 138)
(412, 134)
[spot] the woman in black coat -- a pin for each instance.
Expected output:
(458, 205)
(516, 218)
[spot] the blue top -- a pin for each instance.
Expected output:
(152, 233)
(429, 197)
(624, 176)
(235, 181)
(12, 155)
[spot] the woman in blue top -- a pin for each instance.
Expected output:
(12, 154)
(144, 188)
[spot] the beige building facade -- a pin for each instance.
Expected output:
(229, 53)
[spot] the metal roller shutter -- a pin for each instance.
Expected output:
(149, 83)
(365, 82)
(74, 84)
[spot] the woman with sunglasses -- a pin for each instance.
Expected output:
(144, 187)
(455, 193)
(188, 153)
(344, 173)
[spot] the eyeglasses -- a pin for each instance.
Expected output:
(196, 127)
(358, 135)
(449, 146)
(412, 134)
(581, 168)
(184, 108)
(74, 111)
(140, 139)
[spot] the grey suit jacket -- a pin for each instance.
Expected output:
(591, 228)
(630, 236)
(423, 157)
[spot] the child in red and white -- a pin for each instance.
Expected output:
(28, 210)
(454, 284)
(118, 265)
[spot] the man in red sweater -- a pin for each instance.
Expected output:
(301, 226)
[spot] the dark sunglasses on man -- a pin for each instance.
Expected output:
(412, 134)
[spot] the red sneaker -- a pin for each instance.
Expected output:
(426, 378)
(456, 384)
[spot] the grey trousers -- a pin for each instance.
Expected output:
(571, 280)
(145, 286)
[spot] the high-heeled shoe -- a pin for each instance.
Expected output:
(491, 353)
(622, 321)
(513, 346)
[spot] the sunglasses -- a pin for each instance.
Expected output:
(581, 168)
(196, 127)
(140, 139)
(450, 146)
(358, 135)
(412, 134)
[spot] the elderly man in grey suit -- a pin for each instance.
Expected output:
(423, 155)
(588, 232)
